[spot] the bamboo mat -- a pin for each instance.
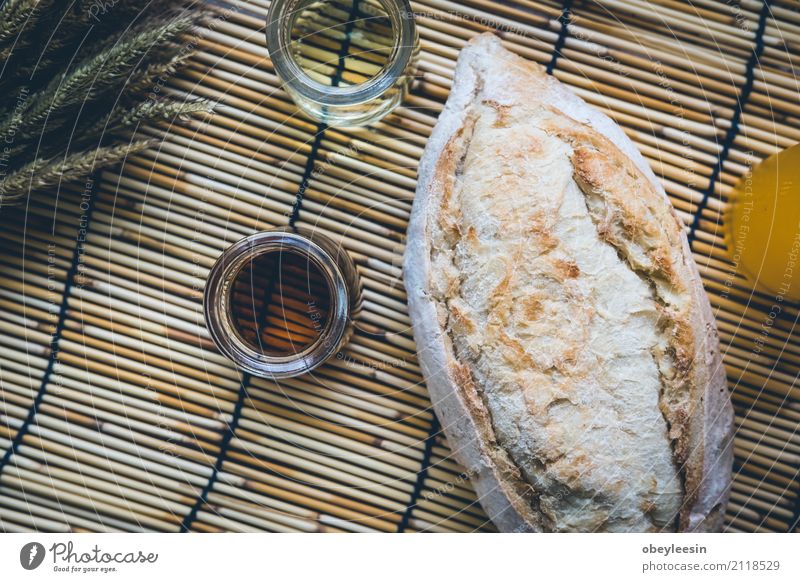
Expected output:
(119, 415)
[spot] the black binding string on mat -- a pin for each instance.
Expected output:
(84, 222)
(223, 450)
(733, 130)
(294, 216)
(301, 191)
(323, 127)
(564, 19)
(419, 484)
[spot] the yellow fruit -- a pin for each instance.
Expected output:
(763, 225)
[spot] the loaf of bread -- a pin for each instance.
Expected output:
(562, 328)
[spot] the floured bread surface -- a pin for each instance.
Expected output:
(560, 332)
(561, 329)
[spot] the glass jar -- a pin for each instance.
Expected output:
(331, 275)
(334, 101)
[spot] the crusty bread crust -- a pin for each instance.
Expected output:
(633, 214)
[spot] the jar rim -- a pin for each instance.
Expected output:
(219, 318)
(278, 31)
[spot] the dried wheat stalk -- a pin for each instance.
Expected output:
(76, 80)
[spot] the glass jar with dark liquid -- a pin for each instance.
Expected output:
(279, 303)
